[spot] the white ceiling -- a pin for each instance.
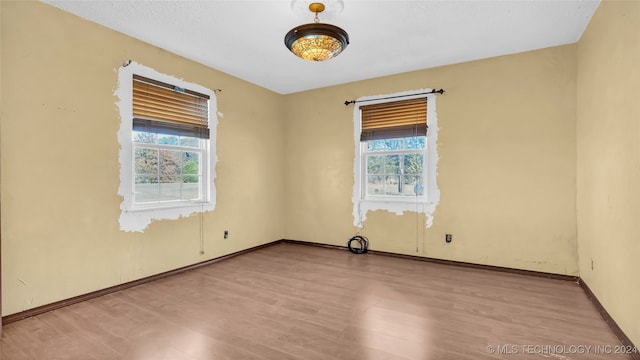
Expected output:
(245, 38)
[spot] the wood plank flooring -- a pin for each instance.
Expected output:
(292, 301)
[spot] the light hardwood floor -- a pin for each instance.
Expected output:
(291, 301)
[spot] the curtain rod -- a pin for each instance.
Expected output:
(128, 62)
(441, 91)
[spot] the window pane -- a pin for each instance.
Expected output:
(144, 137)
(167, 139)
(393, 186)
(146, 189)
(392, 164)
(146, 161)
(375, 185)
(415, 142)
(413, 186)
(375, 145)
(413, 163)
(392, 144)
(375, 164)
(170, 162)
(189, 141)
(170, 188)
(191, 187)
(191, 165)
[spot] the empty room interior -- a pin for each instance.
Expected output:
(279, 222)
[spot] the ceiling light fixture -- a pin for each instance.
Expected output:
(316, 41)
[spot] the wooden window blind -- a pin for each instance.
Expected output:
(395, 119)
(167, 109)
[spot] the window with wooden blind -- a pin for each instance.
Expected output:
(395, 156)
(167, 142)
(393, 146)
(170, 130)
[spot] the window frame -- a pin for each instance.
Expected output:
(136, 217)
(364, 196)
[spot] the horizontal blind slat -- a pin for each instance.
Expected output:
(167, 94)
(143, 79)
(399, 108)
(170, 107)
(142, 96)
(396, 121)
(166, 116)
(394, 132)
(376, 114)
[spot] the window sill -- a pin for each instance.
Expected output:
(169, 206)
(406, 200)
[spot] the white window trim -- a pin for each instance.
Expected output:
(425, 205)
(137, 218)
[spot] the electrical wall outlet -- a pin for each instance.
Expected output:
(448, 238)
(226, 234)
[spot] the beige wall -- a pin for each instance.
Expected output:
(608, 169)
(60, 170)
(506, 172)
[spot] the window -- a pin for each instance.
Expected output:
(167, 140)
(395, 156)
(393, 149)
(170, 135)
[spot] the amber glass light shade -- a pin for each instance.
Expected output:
(316, 42)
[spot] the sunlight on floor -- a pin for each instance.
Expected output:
(389, 325)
